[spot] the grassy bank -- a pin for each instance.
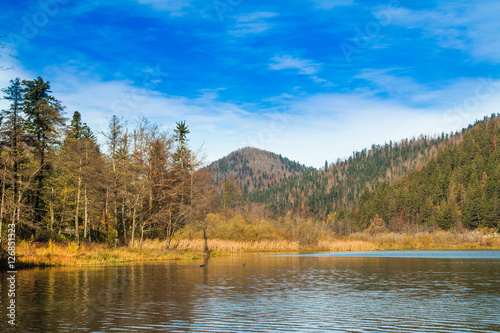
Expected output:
(30, 254)
(440, 240)
(69, 254)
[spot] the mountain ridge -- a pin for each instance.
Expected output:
(424, 181)
(254, 169)
(339, 187)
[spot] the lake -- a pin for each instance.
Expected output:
(421, 291)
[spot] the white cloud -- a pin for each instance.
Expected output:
(469, 26)
(387, 82)
(446, 95)
(214, 124)
(253, 23)
(10, 68)
(302, 66)
(307, 129)
(174, 7)
(330, 4)
(330, 126)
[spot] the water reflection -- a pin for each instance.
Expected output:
(256, 293)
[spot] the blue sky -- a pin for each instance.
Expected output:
(310, 79)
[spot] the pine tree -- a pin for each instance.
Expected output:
(43, 120)
(77, 129)
(14, 140)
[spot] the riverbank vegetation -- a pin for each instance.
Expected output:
(58, 182)
(142, 193)
(69, 254)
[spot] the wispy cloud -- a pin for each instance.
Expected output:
(439, 95)
(467, 26)
(387, 81)
(300, 66)
(174, 7)
(253, 23)
(330, 4)
(330, 126)
(303, 66)
(262, 75)
(309, 128)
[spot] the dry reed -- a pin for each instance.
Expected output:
(69, 254)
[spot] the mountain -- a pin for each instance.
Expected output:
(339, 186)
(459, 187)
(254, 169)
(446, 181)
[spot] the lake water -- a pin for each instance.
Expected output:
(456, 291)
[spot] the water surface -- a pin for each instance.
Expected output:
(443, 291)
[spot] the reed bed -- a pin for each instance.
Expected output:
(346, 245)
(440, 240)
(225, 246)
(70, 254)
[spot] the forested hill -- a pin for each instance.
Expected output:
(255, 169)
(459, 187)
(339, 186)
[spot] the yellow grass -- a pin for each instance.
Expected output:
(440, 240)
(61, 254)
(228, 246)
(347, 245)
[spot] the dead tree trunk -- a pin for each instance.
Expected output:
(206, 250)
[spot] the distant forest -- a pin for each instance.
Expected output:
(450, 181)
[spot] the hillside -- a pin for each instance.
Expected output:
(458, 188)
(255, 169)
(340, 186)
(452, 180)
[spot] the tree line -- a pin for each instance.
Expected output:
(458, 188)
(57, 183)
(338, 186)
(447, 181)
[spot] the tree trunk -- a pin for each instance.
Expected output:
(142, 235)
(133, 227)
(206, 250)
(124, 223)
(77, 231)
(177, 242)
(115, 219)
(169, 232)
(106, 215)
(40, 178)
(52, 217)
(86, 215)
(167, 241)
(14, 213)
(3, 201)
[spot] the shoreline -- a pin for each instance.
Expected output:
(52, 254)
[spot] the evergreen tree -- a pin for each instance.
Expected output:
(182, 154)
(43, 120)
(13, 136)
(77, 129)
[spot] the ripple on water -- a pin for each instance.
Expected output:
(270, 294)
